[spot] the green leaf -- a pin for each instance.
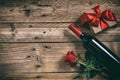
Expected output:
(82, 67)
(88, 76)
(90, 68)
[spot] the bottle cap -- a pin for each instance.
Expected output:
(75, 30)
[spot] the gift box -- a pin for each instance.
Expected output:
(98, 18)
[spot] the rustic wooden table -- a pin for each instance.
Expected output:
(34, 37)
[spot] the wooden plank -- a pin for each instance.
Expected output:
(52, 11)
(48, 32)
(46, 76)
(35, 57)
(41, 57)
(56, 3)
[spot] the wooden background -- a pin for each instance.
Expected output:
(34, 37)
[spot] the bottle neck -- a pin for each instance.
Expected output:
(78, 32)
(82, 36)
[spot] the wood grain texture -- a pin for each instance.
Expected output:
(28, 61)
(49, 32)
(41, 57)
(47, 76)
(34, 37)
(51, 11)
(41, 60)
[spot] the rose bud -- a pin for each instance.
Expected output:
(70, 58)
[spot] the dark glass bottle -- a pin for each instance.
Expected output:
(104, 55)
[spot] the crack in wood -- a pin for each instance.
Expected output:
(27, 12)
(12, 27)
(38, 76)
(38, 66)
(30, 26)
(44, 32)
(46, 46)
(13, 30)
(28, 56)
(33, 49)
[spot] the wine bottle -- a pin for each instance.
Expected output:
(102, 54)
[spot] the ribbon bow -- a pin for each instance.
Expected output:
(98, 18)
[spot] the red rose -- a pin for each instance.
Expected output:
(70, 58)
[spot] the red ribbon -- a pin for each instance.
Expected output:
(98, 17)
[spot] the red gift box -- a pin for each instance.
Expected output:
(99, 18)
